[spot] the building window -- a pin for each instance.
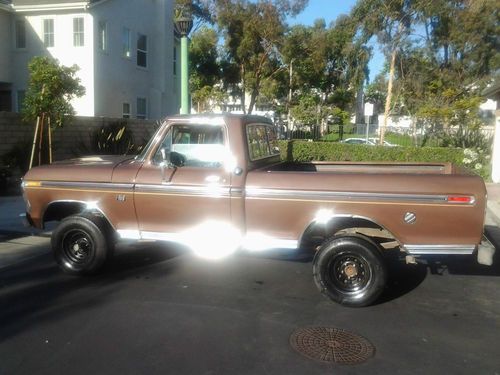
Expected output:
(142, 50)
(48, 33)
(126, 110)
(102, 34)
(78, 32)
(20, 34)
(141, 108)
(175, 60)
(21, 94)
(127, 43)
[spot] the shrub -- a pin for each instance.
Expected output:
(326, 151)
(17, 159)
(112, 139)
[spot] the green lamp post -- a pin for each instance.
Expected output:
(183, 25)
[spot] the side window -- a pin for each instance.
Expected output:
(20, 27)
(78, 32)
(48, 32)
(142, 50)
(262, 141)
(201, 145)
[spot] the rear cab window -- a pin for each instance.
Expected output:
(262, 142)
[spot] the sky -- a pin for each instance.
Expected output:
(329, 10)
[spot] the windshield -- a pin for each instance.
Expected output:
(150, 144)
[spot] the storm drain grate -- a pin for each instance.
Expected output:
(328, 344)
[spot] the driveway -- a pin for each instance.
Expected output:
(161, 310)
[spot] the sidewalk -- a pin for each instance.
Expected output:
(493, 209)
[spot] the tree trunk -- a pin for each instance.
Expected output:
(34, 141)
(290, 92)
(42, 122)
(387, 109)
(50, 139)
(253, 99)
(244, 89)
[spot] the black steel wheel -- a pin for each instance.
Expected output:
(80, 246)
(350, 270)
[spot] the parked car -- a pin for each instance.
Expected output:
(376, 141)
(364, 141)
(217, 184)
(358, 141)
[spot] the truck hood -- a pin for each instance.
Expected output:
(97, 168)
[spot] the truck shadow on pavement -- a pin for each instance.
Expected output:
(402, 279)
(467, 264)
(35, 290)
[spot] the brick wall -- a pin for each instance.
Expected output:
(66, 141)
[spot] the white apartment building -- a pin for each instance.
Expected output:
(126, 52)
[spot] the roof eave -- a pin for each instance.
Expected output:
(51, 7)
(97, 2)
(6, 7)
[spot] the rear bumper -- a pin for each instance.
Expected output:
(485, 250)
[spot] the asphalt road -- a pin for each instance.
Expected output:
(159, 310)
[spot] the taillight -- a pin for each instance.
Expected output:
(463, 199)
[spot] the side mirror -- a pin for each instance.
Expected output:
(177, 159)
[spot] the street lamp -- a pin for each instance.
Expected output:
(183, 25)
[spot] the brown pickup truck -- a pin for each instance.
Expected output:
(217, 184)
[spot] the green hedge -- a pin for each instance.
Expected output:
(302, 151)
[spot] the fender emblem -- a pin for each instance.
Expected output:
(410, 218)
(121, 198)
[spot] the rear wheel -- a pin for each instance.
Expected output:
(80, 245)
(350, 270)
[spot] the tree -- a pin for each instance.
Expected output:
(390, 21)
(329, 65)
(253, 31)
(205, 69)
(441, 78)
(50, 91)
(430, 74)
(376, 92)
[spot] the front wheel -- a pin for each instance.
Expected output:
(80, 247)
(350, 270)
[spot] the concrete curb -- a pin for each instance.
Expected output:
(493, 204)
(493, 210)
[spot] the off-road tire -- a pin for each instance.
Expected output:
(350, 270)
(81, 244)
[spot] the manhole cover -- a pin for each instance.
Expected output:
(328, 344)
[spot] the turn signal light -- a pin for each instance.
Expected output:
(31, 184)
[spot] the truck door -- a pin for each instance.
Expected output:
(171, 200)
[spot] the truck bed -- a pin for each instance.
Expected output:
(364, 167)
